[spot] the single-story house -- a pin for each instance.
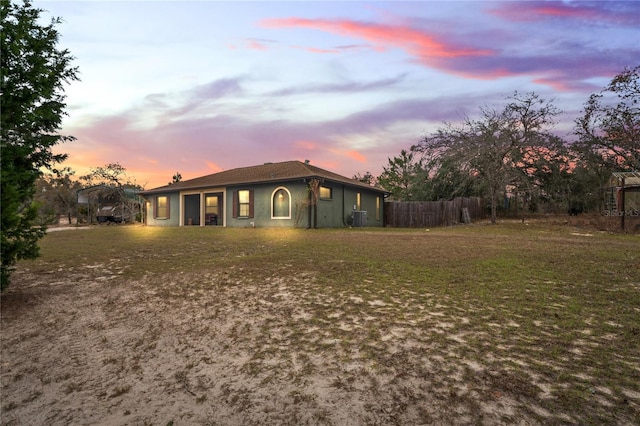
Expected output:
(286, 194)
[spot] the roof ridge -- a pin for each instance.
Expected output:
(261, 173)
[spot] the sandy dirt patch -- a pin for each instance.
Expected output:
(93, 349)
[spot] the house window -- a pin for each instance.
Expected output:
(162, 207)
(243, 203)
(326, 193)
(211, 205)
(281, 204)
(358, 205)
(377, 208)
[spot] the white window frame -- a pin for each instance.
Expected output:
(273, 194)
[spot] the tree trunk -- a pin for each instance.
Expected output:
(494, 205)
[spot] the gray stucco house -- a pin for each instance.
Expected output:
(291, 194)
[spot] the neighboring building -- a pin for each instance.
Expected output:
(622, 193)
(621, 200)
(108, 203)
(269, 195)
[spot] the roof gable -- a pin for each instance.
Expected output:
(268, 172)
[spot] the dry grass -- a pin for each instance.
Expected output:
(515, 323)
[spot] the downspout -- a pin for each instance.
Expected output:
(315, 212)
(310, 206)
(344, 222)
(622, 207)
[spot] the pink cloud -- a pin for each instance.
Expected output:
(559, 68)
(317, 50)
(256, 45)
(352, 154)
(308, 145)
(417, 43)
(622, 14)
(356, 156)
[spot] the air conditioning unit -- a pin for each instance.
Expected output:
(359, 219)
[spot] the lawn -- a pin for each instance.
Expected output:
(513, 323)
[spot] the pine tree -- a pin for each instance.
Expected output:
(32, 106)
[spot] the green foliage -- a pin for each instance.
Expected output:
(56, 193)
(367, 178)
(448, 181)
(176, 178)
(31, 108)
(402, 175)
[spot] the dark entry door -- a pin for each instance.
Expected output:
(192, 209)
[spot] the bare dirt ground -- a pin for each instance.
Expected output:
(89, 346)
(92, 350)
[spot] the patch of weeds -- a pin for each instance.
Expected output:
(515, 382)
(345, 384)
(63, 377)
(120, 390)
(35, 395)
(322, 416)
(10, 406)
(202, 398)
(252, 368)
(183, 379)
(110, 360)
(241, 400)
(301, 397)
(72, 387)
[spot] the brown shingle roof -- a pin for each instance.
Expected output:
(268, 172)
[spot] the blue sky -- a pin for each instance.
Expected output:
(204, 86)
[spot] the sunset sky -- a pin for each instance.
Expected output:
(203, 86)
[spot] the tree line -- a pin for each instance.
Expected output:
(513, 150)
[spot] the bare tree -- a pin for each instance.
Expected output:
(501, 147)
(112, 183)
(609, 130)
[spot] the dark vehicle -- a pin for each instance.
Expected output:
(112, 214)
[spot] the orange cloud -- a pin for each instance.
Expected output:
(354, 155)
(213, 167)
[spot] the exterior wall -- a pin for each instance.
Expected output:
(262, 208)
(331, 213)
(174, 210)
(367, 203)
(337, 211)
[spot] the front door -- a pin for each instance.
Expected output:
(192, 209)
(213, 209)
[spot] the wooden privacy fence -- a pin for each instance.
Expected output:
(425, 214)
